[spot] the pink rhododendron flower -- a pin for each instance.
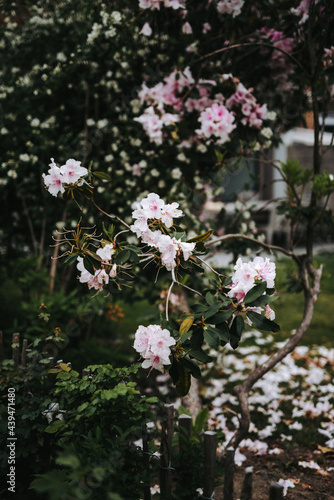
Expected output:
(169, 212)
(153, 207)
(216, 121)
(96, 280)
(269, 313)
(54, 179)
(106, 252)
(72, 171)
(153, 344)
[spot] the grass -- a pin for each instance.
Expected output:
(289, 306)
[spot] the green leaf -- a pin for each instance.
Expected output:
(210, 299)
(264, 300)
(64, 367)
(54, 482)
(184, 382)
(212, 310)
(101, 175)
(221, 317)
(200, 355)
(191, 366)
(255, 292)
(89, 265)
(54, 426)
(223, 332)
(122, 256)
(236, 330)
(68, 460)
(263, 323)
(200, 237)
(70, 259)
(201, 420)
(211, 337)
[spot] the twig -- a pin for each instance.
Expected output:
(253, 240)
(109, 215)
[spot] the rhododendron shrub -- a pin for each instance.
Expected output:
(161, 94)
(109, 264)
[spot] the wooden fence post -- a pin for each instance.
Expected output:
(24, 353)
(166, 452)
(185, 422)
(16, 348)
(210, 451)
(246, 493)
(276, 491)
(229, 474)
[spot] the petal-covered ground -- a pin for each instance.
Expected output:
(292, 412)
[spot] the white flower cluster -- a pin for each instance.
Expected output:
(153, 208)
(230, 7)
(153, 344)
(70, 173)
(247, 274)
(101, 276)
(155, 4)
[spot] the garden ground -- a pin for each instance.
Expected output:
(308, 484)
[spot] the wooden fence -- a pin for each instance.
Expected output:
(167, 430)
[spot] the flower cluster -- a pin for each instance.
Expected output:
(253, 113)
(247, 274)
(70, 173)
(153, 344)
(153, 123)
(153, 208)
(230, 7)
(217, 114)
(155, 4)
(102, 275)
(217, 121)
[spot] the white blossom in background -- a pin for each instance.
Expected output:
(230, 7)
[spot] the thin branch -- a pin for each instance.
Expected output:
(109, 215)
(188, 288)
(255, 44)
(242, 391)
(208, 265)
(253, 240)
(169, 292)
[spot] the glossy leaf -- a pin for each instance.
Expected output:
(122, 257)
(191, 367)
(221, 316)
(200, 355)
(255, 292)
(101, 175)
(200, 237)
(184, 382)
(263, 323)
(211, 337)
(236, 330)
